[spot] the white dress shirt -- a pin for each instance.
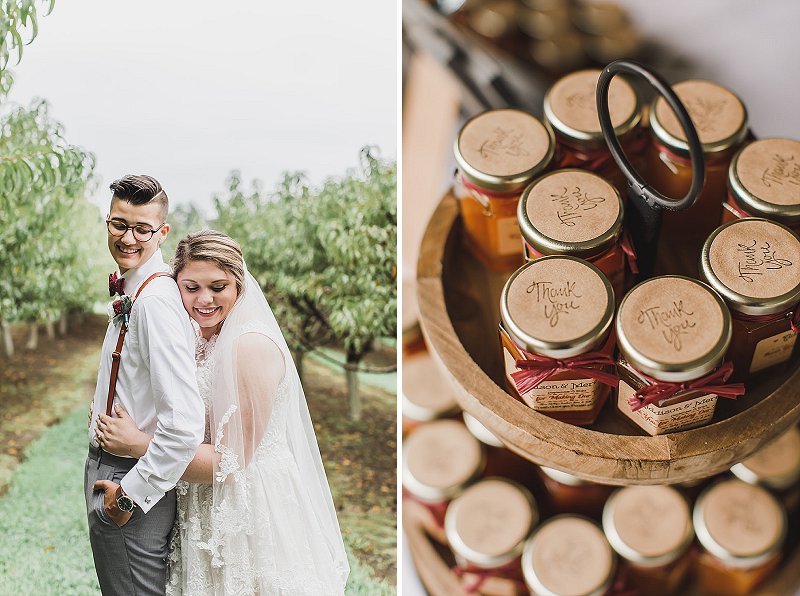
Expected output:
(156, 384)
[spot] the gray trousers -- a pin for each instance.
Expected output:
(131, 560)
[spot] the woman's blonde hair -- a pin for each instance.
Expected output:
(212, 246)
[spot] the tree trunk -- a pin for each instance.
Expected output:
(51, 329)
(353, 396)
(63, 324)
(299, 356)
(33, 337)
(8, 341)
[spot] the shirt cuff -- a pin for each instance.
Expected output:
(144, 495)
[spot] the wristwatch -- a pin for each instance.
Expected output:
(124, 502)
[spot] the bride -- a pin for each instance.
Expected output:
(255, 513)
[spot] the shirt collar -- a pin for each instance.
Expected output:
(135, 277)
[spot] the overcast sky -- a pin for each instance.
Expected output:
(187, 91)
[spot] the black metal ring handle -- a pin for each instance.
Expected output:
(637, 184)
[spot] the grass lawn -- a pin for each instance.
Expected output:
(45, 546)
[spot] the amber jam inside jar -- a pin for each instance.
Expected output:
(776, 467)
(570, 107)
(427, 395)
(440, 459)
(568, 555)
(569, 494)
(672, 333)
(764, 181)
(486, 528)
(650, 528)
(720, 119)
(741, 529)
(556, 320)
(498, 154)
(755, 265)
(574, 212)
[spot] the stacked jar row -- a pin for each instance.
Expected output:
(683, 343)
(515, 528)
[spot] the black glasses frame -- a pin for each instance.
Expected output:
(137, 235)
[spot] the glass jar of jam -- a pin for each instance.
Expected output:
(426, 393)
(498, 153)
(650, 528)
(570, 107)
(720, 119)
(575, 212)
(755, 265)
(440, 459)
(741, 529)
(555, 334)
(486, 528)
(568, 555)
(764, 181)
(776, 467)
(672, 334)
(569, 494)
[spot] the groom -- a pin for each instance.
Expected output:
(131, 503)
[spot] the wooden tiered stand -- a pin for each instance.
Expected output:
(459, 312)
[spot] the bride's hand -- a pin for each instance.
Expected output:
(120, 436)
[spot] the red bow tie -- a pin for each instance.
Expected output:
(116, 285)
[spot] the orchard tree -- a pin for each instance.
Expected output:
(18, 27)
(325, 257)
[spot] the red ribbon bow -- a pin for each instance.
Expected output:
(508, 571)
(116, 285)
(536, 369)
(715, 382)
(626, 244)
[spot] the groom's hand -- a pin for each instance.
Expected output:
(119, 517)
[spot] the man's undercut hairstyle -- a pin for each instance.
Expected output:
(140, 190)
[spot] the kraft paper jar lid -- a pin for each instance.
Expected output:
(480, 432)
(426, 393)
(754, 264)
(568, 555)
(563, 477)
(557, 306)
(440, 459)
(488, 524)
(764, 178)
(570, 106)
(673, 328)
(503, 150)
(648, 525)
(777, 465)
(740, 524)
(719, 117)
(570, 211)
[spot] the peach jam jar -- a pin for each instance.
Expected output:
(426, 395)
(741, 529)
(672, 334)
(575, 212)
(570, 107)
(755, 265)
(776, 467)
(498, 153)
(568, 555)
(720, 119)
(569, 494)
(440, 459)
(486, 528)
(555, 334)
(764, 181)
(650, 528)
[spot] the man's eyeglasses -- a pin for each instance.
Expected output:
(142, 233)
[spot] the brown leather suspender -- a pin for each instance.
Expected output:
(116, 355)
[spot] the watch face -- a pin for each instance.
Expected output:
(125, 503)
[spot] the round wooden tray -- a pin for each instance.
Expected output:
(459, 311)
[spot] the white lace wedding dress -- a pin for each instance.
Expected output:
(284, 557)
